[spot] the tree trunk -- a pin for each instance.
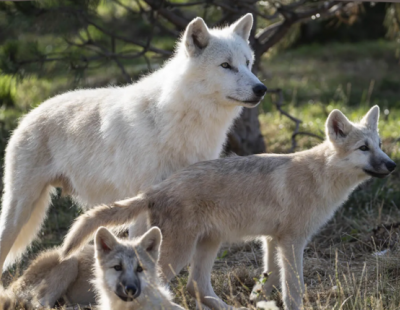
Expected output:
(245, 137)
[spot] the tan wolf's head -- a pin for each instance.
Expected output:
(358, 145)
(126, 267)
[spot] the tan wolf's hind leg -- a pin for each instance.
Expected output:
(22, 215)
(271, 271)
(199, 282)
(291, 261)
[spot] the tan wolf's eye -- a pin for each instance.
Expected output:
(225, 65)
(118, 267)
(363, 148)
(139, 268)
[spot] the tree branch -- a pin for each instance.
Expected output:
(296, 132)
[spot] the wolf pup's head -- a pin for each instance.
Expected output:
(221, 61)
(127, 267)
(358, 145)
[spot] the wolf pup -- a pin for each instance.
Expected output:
(127, 275)
(285, 198)
(102, 145)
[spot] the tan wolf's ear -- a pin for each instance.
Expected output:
(105, 241)
(371, 119)
(337, 126)
(196, 36)
(242, 27)
(151, 242)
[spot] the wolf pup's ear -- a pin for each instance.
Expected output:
(371, 119)
(337, 126)
(105, 241)
(196, 36)
(242, 27)
(151, 242)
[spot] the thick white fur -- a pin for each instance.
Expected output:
(102, 145)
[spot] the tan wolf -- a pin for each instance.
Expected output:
(284, 199)
(106, 144)
(125, 275)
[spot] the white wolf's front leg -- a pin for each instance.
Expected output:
(271, 275)
(290, 253)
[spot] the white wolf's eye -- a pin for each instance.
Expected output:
(363, 148)
(247, 63)
(139, 268)
(225, 65)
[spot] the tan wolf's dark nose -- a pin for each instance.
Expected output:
(390, 166)
(259, 90)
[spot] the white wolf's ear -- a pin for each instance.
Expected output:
(337, 126)
(151, 242)
(371, 119)
(105, 241)
(196, 36)
(243, 26)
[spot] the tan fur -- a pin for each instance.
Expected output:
(284, 199)
(49, 279)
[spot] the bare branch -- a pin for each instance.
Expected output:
(175, 19)
(296, 132)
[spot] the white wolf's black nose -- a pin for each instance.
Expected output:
(259, 90)
(390, 166)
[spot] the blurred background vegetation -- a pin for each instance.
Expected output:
(313, 56)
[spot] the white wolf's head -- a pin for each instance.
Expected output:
(127, 267)
(358, 146)
(221, 61)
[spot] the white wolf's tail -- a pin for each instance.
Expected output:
(119, 213)
(20, 223)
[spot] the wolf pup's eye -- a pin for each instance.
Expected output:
(225, 65)
(139, 268)
(118, 267)
(363, 148)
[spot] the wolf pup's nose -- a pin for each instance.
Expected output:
(259, 90)
(390, 166)
(130, 290)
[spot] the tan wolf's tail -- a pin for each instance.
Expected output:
(119, 213)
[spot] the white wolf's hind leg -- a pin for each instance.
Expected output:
(22, 215)
(271, 272)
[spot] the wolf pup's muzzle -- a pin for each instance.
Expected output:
(128, 292)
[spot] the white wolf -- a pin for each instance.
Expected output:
(285, 198)
(102, 145)
(125, 275)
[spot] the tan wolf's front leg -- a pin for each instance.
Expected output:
(290, 252)
(270, 278)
